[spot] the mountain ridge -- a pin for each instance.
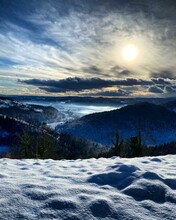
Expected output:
(153, 120)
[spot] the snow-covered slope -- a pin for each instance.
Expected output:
(139, 188)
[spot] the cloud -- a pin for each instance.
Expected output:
(164, 75)
(169, 89)
(161, 81)
(79, 84)
(69, 84)
(161, 89)
(120, 71)
(155, 89)
(116, 93)
(71, 29)
(92, 69)
(55, 40)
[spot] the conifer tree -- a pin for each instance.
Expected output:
(118, 144)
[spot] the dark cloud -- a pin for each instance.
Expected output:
(133, 82)
(161, 81)
(119, 92)
(116, 69)
(164, 75)
(155, 89)
(79, 84)
(162, 89)
(70, 84)
(51, 89)
(169, 89)
(125, 73)
(92, 69)
(120, 72)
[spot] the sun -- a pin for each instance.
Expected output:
(130, 52)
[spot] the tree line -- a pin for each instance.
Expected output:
(46, 144)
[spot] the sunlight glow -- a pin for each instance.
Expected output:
(130, 52)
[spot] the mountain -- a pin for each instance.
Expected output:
(29, 113)
(19, 139)
(18, 119)
(157, 123)
(10, 130)
(170, 105)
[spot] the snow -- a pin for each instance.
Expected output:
(38, 110)
(4, 106)
(6, 103)
(114, 188)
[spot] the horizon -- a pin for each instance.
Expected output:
(111, 49)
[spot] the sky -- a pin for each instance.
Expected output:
(75, 47)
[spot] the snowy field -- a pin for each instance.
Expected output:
(141, 188)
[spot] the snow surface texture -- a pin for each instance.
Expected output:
(139, 188)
